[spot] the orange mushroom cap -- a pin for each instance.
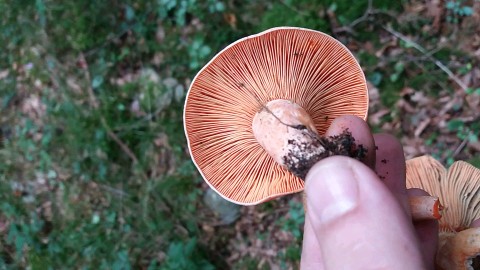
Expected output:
(304, 66)
(458, 189)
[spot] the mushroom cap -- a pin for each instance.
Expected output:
(457, 188)
(304, 66)
(458, 250)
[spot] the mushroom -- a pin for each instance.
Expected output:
(254, 115)
(304, 77)
(458, 189)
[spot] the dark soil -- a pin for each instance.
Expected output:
(303, 156)
(476, 262)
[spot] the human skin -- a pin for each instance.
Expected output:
(358, 214)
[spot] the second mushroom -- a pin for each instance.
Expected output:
(458, 189)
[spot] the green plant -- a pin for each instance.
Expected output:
(399, 67)
(180, 9)
(94, 170)
(293, 223)
(198, 52)
(464, 132)
(185, 256)
(457, 9)
(293, 13)
(473, 91)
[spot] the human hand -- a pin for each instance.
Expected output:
(359, 219)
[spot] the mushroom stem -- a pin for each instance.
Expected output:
(425, 207)
(287, 133)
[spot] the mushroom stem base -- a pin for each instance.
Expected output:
(302, 157)
(287, 133)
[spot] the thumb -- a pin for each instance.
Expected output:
(355, 219)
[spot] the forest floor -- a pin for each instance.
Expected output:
(94, 168)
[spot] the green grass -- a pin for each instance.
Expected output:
(94, 170)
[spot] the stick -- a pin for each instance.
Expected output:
(426, 53)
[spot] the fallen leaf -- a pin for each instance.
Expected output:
(435, 10)
(231, 19)
(4, 74)
(421, 127)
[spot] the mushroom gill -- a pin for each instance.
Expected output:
(458, 190)
(304, 67)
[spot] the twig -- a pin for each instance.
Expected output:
(106, 42)
(113, 190)
(424, 57)
(460, 146)
(301, 13)
(430, 57)
(365, 17)
(422, 67)
(91, 95)
(139, 123)
(95, 104)
(117, 140)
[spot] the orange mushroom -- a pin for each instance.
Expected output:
(459, 190)
(253, 113)
(304, 73)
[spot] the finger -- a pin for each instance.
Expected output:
(360, 131)
(427, 233)
(354, 215)
(390, 167)
(311, 252)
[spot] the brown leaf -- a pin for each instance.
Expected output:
(435, 10)
(160, 34)
(421, 127)
(231, 19)
(34, 107)
(4, 74)
(375, 118)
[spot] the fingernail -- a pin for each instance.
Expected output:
(332, 191)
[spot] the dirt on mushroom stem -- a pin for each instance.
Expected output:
(476, 262)
(300, 159)
(288, 134)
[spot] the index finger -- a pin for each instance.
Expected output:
(360, 132)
